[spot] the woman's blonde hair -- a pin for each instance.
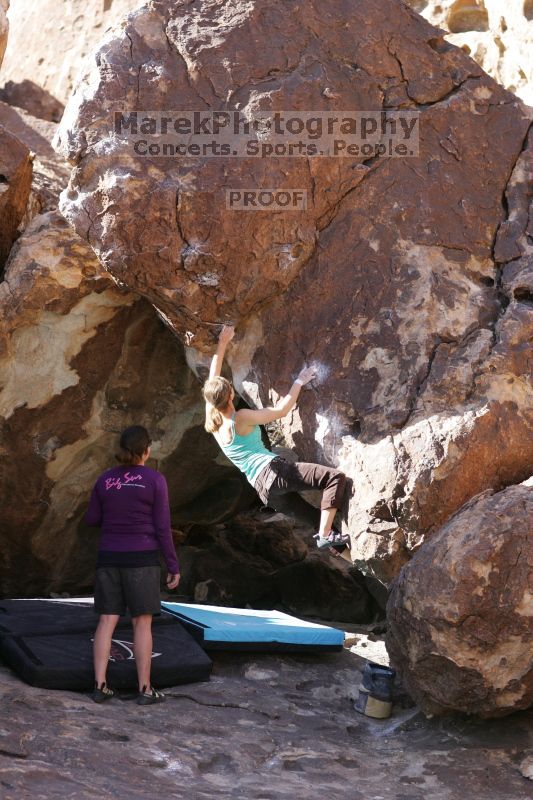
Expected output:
(217, 395)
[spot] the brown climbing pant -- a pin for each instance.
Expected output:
(281, 477)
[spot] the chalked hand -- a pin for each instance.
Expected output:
(307, 374)
(226, 334)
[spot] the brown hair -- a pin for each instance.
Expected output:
(134, 442)
(217, 395)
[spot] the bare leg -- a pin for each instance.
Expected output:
(142, 648)
(102, 645)
(327, 515)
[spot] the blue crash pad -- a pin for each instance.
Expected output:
(219, 628)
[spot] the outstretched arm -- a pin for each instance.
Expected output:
(248, 416)
(226, 335)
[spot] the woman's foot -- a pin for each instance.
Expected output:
(148, 696)
(333, 539)
(102, 693)
(338, 544)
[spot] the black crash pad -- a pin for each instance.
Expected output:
(32, 617)
(49, 644)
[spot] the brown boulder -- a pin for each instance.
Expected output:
(50, 173)
(198, 272)
(460, 631)
(32, 98)
(15, 183)
(388, 281)
(270, 563)
(4, 28)
(312, 588)
(79, 360)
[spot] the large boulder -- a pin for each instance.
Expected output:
(80, 359)
(49, 174)
(30, 97)
(170, 56)
(270, 563)
(4, 28)
(495, 33)
(15, 184)
(461, 612)
(388, 280)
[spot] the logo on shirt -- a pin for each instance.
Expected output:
(127, 480)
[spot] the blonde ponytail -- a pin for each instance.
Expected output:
(217, 395)
(213, 419)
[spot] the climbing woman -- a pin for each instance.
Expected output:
(130, 505)
(276, 480)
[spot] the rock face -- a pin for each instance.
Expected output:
(496, 33)
(461, 612)
(49, 173)
(62, 34)
(271, 563)
(4, 28)
(15, 183)
(81, 358)
(32, 98)
(407, 281)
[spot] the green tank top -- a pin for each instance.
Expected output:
(248, 453)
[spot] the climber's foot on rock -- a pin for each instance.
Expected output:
(336, 543)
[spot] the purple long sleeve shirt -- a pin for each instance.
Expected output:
(130, 505)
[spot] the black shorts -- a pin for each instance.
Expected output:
(135, 588)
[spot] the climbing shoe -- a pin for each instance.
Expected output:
(147, 698)
(335, 542)
(102, 693)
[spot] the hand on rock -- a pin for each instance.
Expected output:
(307, 374)
(226, 334)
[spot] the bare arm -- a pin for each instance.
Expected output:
(248, 417)
(226, 335)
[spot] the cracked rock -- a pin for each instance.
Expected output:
(387, 282)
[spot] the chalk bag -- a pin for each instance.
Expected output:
(375, 692)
